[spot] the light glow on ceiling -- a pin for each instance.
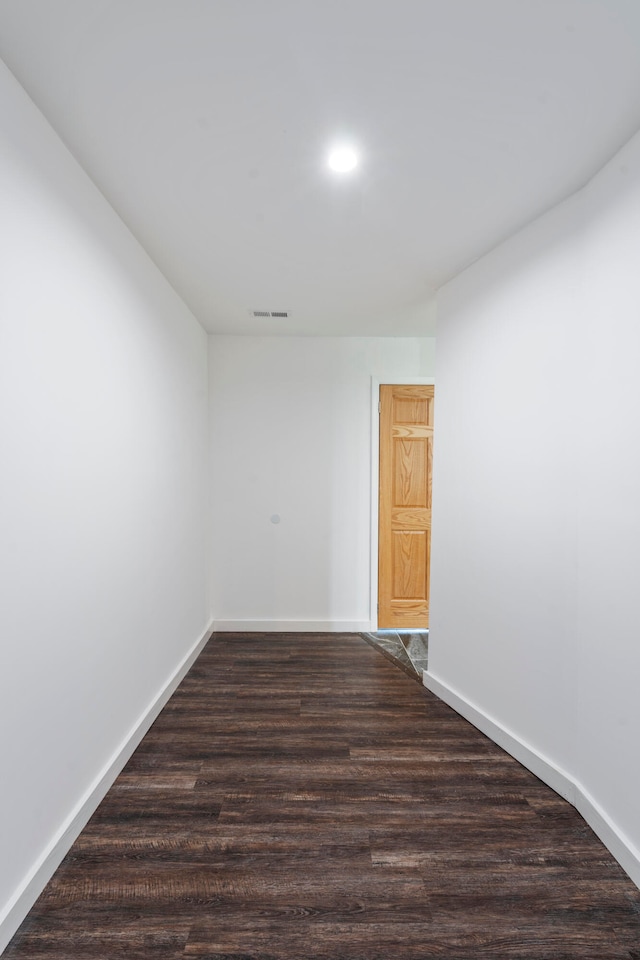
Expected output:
(342, 159)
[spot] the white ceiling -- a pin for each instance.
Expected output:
(206, 125)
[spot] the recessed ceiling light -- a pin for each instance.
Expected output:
(343, 159)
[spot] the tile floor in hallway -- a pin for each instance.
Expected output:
(407, 649)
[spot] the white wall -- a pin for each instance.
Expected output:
(291, 435)
(103, 433)
(536, 540)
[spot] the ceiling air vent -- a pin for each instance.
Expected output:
(278, 314)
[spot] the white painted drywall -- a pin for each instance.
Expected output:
(103, 434)
(536, 539)
(291, 435)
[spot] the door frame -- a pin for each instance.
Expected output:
(375, 479)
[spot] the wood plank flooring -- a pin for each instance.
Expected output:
(300, 797)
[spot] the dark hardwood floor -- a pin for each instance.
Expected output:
(300, 797)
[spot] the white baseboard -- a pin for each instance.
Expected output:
(34, 883)
(614, 839)
(291, 626)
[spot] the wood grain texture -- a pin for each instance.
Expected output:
(405, 490)
(410, 552)
(410, 464)
(300, 797)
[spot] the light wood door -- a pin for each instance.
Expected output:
(404, 531)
